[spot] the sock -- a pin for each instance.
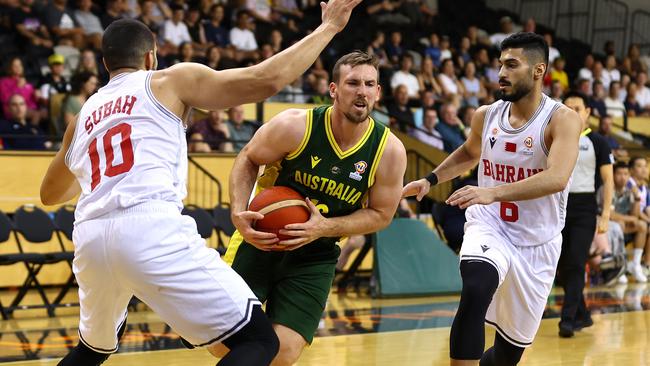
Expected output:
(636, 256)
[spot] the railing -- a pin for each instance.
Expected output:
(541, 10)
(610, 23)
(640, 31)
(572, 19)
(202, 186)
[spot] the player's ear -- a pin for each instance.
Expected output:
(332, 90)
(539, 71)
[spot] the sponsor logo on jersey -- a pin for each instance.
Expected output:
(314, 161)
(493, 141)
(484, 248)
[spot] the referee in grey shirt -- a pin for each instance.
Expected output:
(593, 168)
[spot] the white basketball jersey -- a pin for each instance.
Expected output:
(510, 155)
(127, 149)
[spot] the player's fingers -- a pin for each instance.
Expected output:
(458, 199)
(266, 242)
(292, 232)
(288, 243)
(421, 193)
(311, 206)
(261, 235)
(251, 215)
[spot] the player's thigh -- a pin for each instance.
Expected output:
(184, 281)
(298, 299)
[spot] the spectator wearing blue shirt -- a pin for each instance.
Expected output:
(451, 128)
(216, 33)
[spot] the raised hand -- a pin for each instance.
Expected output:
(336, 13)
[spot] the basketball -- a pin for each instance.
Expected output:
(280, 206)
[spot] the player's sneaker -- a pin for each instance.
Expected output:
(637, 272)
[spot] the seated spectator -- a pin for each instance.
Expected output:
(611, 73)
(175, 31)
(241, 131)
(379, 112)
(558, 73)
(631, 103)
(82, 86)
(292, 93)
(428, 100)
(54, 82)
(605, 130)
(62, 24)
(322, 93)
(466, 114)
(276, 40)
(195, 29)
(428, 133)
(433, 49)
(597, 100)
(90, 24)
(507, 28)
(405, 77)
(643, 92)
(315, 72)
(491, 73)
(464, 50)
(583, 86)
(213, 58)
(553, 53)
(115, 10)
(376, 47)
(260, 11)
(186, 54)
(242, 37)
(18, 126)
(147, 16)
(452, 88)
(30, 25)
(211, 132)
(557, 91)
(585, 72)
(474, 90)
(394, 48)
(215, 33)
(451, 128)
(287, 9)
(15, 83)
(400, 114)
(636, 64)
(445, 48)
(386, 12)
(88, 63)
(626, 214)
(615, 107)
(426, 78)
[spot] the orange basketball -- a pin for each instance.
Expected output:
(280, 206)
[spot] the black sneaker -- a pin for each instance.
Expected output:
(579, 324)
(566, 330)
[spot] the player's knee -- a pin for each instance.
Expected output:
(288, 354)
(480, 280)
(81, 355)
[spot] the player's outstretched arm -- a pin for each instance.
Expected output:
(59, 184)
(383, 199)
(463, 159)
(276, 139)
(565, 127)
(199, 86)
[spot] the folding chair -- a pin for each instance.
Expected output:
(224, 225)
(35, 226)
(64, 224)
(204, 222)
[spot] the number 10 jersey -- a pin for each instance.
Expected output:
(127, 149)
(509, 155)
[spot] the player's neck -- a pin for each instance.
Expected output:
(122, 70)
(347, 133)
(523, 110)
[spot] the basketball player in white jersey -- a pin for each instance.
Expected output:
(526, 146)
(126, 155)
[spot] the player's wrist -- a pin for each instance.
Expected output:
(432, 178)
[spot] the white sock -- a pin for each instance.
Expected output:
(636, 256)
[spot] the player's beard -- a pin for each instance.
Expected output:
(519, 90)
(358, 118)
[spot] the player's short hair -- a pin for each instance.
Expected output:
(125, 44)
(620, 165)
(354, 58)
(534, 46)
(578, 95)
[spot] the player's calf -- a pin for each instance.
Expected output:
(503, 353)
(291, 346)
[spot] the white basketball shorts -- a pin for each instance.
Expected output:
(526, 276)
(155, 253)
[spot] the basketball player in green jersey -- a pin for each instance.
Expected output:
(348, 166)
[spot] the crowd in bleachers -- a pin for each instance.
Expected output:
(433, 76)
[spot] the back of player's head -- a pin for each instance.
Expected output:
(125, 44)
(577, 95)
(354, 58)
(534, 46)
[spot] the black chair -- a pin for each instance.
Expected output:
(64, 224)
(204, 222)
(224, 225)
(36, 226)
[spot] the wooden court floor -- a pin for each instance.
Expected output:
(358, 331)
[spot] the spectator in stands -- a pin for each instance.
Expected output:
(622, 93)
(376, 47)
(115, 10)
(292, 93)
(597, 100)
(62, 24)
(427, 100)
(585, 72)
(426, 78)
(54, 82)
(643, 92)
(210, 134)
(477, 37)
(242, 38)
(638, 183)
(632, 105)
(609, 47)
(530, 26)
(195, 29)
(215, 33)
(160, 11)
(386, 12)
(241, 131)
(88, 63)
(626, 214)
(260, 11)
(379, 112)
(186, 54)
(610, 73)
(474, 90)
(15, 83)
(405, 77)
(605, 130)
(17, 124)
(175, 31)
(452, 88)
(30, 25)
(507, 28)
(213, 57)
(583, 86)
(445, 48)
(553, 53)
(90, 24)
(276, 40)
(433, 49)
(451, 128)
(465, 114)
(615, 107)
(322, 93)
(557, 91)
(400, 114)
(287, 9)
(83, 85)
(428, 133)
(636, 64)
(558, 73)
(491, 74)
(464, 50)
(316, 71)
(394, 48)
(148, 18)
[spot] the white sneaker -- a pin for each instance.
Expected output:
(622, 279)
(638, 274)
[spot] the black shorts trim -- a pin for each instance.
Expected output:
(507, 337)
(236, 327)
(478, 257)
(101, 350)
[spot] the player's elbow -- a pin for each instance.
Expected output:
(46, 197)
(268, 81)
(558, 184)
